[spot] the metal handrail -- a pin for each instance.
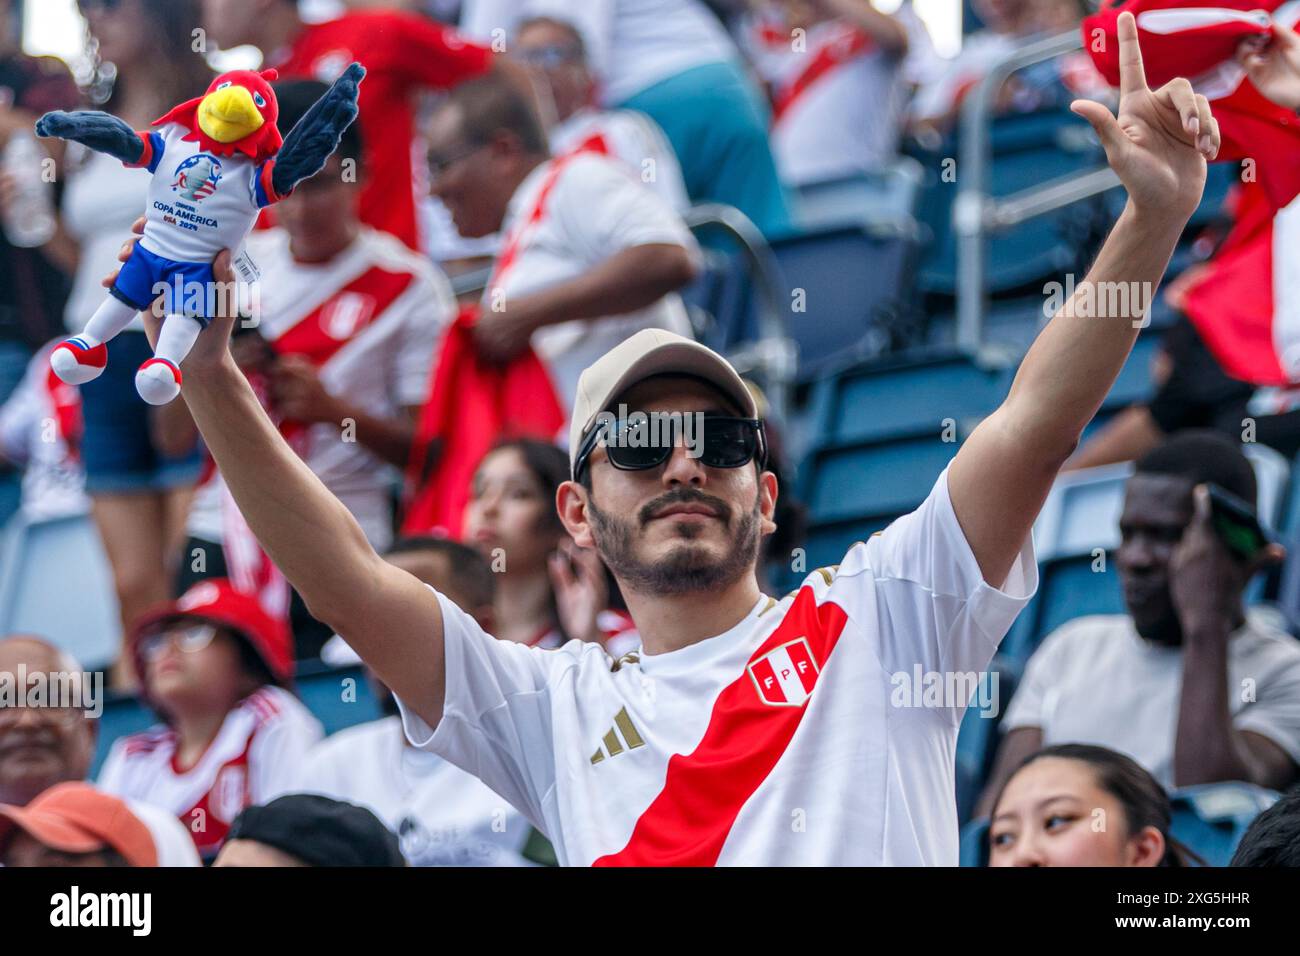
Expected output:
(975, 213)
(773, 358)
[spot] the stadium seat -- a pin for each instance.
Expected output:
(1211, 818)
(1068, 588)
(1273, 477)
(848, 291)
(975, 843)
(38, 560)
(889, 193)
(903, 397)
(1025, 151)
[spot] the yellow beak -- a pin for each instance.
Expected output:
(228, 115)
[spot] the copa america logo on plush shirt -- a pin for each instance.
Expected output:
(197, 177)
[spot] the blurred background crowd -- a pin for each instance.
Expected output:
(860, 204)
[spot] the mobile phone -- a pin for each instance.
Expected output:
(1236, 524)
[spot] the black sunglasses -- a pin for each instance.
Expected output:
(631, 445)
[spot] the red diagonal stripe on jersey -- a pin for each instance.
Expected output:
(688, 822)
(308, 336)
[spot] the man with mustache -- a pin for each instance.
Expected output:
(748, 730)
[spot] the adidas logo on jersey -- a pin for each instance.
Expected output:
(622, 736)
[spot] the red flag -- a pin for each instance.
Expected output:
(1195, 39)
(472, 405)
(1245, 308)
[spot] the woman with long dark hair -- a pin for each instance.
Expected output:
(140, 463)
(548, 589)
(1080, 805)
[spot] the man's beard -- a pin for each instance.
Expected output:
(685, 569)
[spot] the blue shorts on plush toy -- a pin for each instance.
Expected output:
(188, 288)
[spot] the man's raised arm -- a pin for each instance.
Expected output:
(391, 619)
(1158, 146)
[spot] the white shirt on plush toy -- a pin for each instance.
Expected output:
(203, 203)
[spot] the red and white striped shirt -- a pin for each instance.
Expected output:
(257, 755)
(800, 736)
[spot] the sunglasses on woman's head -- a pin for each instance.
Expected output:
(637, 445)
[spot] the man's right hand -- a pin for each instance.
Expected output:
(1274, 68)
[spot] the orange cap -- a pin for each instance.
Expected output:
(76, 818)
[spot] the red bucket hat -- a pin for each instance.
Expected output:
(216, 601)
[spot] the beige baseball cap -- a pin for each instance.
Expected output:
(649, 352)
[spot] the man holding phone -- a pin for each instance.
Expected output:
(1189, 683)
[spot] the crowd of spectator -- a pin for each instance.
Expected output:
(558, 145)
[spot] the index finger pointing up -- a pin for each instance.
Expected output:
(1132, 78)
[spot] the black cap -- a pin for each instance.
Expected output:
(319, 831)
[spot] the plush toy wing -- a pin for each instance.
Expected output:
(315, 136)
(98, 131)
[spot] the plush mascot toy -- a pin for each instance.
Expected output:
(216, 161)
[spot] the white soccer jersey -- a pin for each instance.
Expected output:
(442, 815)
(785, 740)
(633, 139)
(256, 756)
(199, 203)
(369, 319)
(839, 98)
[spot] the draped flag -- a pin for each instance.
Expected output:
(1247, 311)
(472, 405)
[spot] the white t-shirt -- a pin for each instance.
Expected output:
(442, 815)
(1096, 681)
(632, 138)
(54, 481)
(978, 53)
(776, 742)
(198, 203)
(594, 209)
(256, 756)
(839, 110)
(374, 314)
(100, 201)
(631, 44)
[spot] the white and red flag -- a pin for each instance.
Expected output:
(1246, 310)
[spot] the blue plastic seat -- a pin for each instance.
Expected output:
(1210, 819)
(39, 560)
(339, 697)
(1026, 151)
(1068, 588)
(904, 397)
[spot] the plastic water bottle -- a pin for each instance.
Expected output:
(29, 215)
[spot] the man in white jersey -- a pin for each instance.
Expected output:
(749, 730)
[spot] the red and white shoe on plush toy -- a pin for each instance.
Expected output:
(77, 363)
(158, 381)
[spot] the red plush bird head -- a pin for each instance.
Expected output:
(237, 114)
